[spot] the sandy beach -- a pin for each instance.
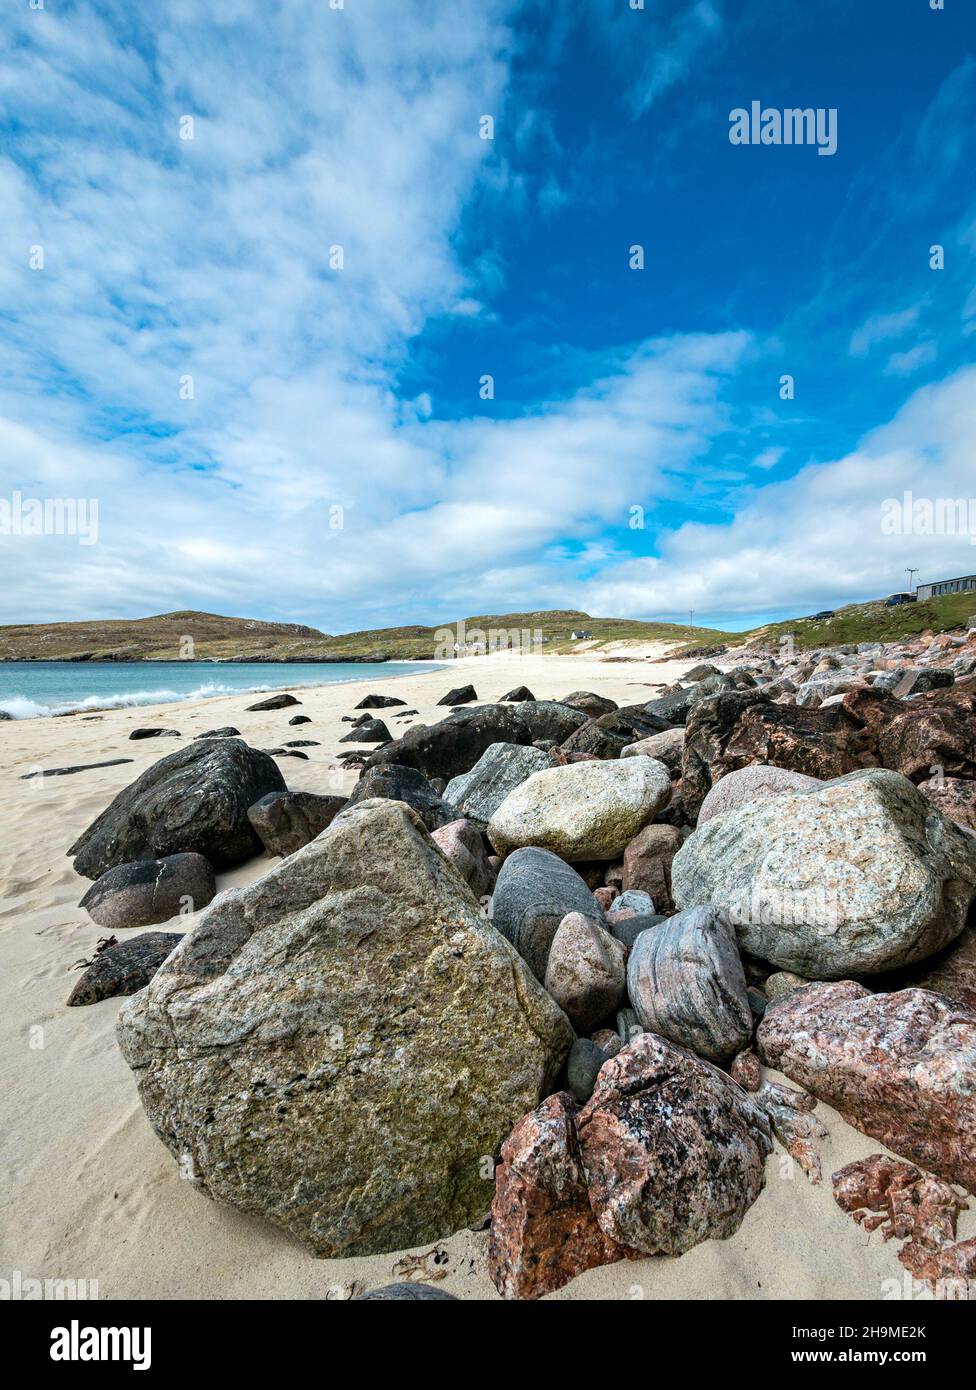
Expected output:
(91, 1194)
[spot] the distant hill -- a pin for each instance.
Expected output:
(215, 638)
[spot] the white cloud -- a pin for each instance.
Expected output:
(882, 328)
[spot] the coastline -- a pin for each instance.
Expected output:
(92, 1193)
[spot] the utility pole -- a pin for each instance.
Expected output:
(910, 570)
(691, 617)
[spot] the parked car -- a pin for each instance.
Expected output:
(827, 613)
(894, 600)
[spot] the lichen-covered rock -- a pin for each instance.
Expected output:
(861, 875)
(122, 967)
(686, 982)
(899, 1067)
(148, 891)
(339, 1045)
(674, 1151)
(667, 747)
(755, 783)
(500, 769)
(543, 1230)
(589, 810)
(535, 890)
(647, 863)
(285, 821)
(586, 971)
(194, 800)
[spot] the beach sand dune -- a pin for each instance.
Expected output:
(91, 1194)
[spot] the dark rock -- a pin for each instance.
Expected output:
(521, 692)
(686, 982)
(583, 1067)
(590, 704)
(607, 736)
(379, 702)
(155, 733)
(395, 783)
(227, 732)
(462, 695)
(299, 719)
(534, 892)
(628, 929)
(370, 731)
(123, 967)
(281, 701)
(285, 821)
(407, 1293)
(453, 746)
(302, 743)
(148, 891)
(194, 799)
(67, 771)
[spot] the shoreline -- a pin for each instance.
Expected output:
(92, 1193)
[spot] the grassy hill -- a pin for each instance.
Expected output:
(215, 638)
(871, 622)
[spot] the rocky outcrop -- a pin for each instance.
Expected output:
(861, 875)
(534, 892)
(339, 1045)
(589, 810)
(500, 769)
(685, 981)
(122, 967)
(194, 800)
(899, 1067)
(149, 891)
(285, 821)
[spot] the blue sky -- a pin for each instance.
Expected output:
(322, 394)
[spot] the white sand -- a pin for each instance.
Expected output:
(90, 1193)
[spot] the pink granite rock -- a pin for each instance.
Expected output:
(543, 1230)
(899, 1067)
(462, 843)
(647, 863)
(674, 1150)
(746, 1071)
(586, 971)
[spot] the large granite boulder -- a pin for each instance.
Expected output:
(667, 747)
(500, 769)
(860, 875)
(686, 982)
(936, 730)
(453, 746)
(148, 891)
(900, 1067)
(674, 1150)
(394, 783)
(194, 800)
(534, 892)
(754, 783)
(342, 1045)
(588, 810)
(954, 796)
(285, 821)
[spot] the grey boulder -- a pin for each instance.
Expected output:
(861, 875)
(758, 782)
(342, 1045)
(122, 967)
(147, 891)
(500, 769)
(534, 892)
(285, 821)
